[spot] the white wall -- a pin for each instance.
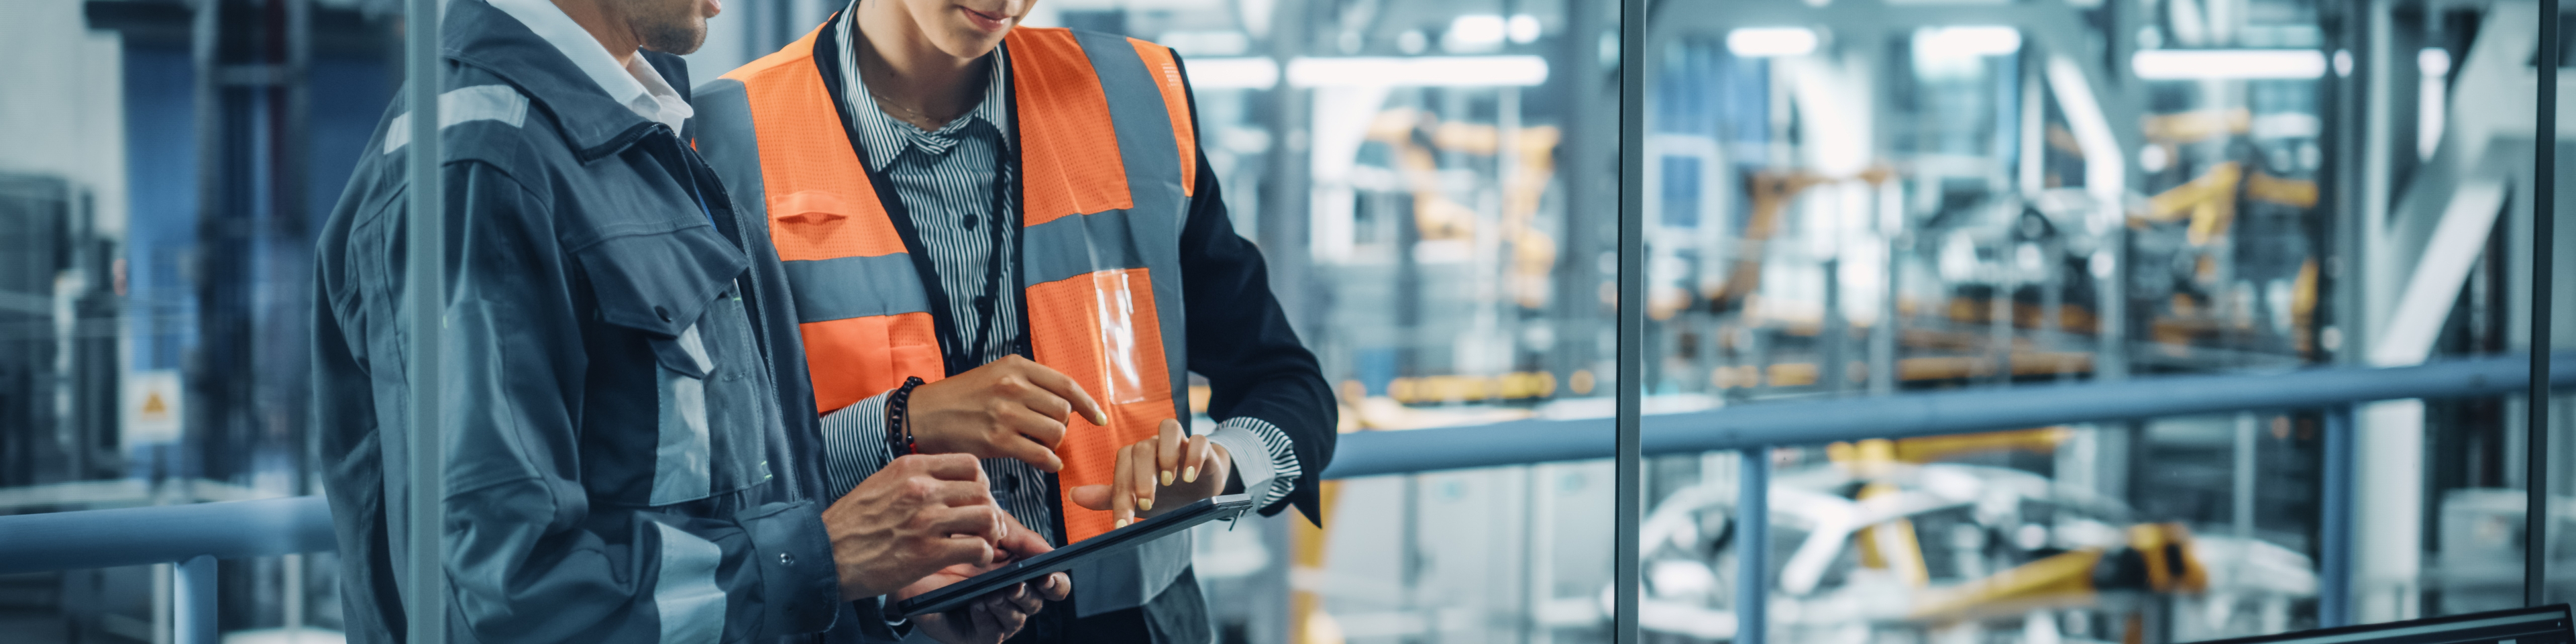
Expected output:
(61, 101)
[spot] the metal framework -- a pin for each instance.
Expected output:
(2544, 240)
(425, 594)
(1630, 496)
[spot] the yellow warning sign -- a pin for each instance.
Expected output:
(154, 406)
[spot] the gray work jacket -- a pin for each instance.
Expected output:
(632, 449)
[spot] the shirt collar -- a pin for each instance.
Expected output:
(885, 137)
(635, 84)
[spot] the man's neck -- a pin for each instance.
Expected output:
(902, 67)
(606, 24)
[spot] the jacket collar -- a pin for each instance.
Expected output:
(480, 35)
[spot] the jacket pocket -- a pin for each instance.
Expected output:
(677, 289)
(660, 283)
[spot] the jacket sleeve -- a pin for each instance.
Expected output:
(1241, 341)
(529, 558)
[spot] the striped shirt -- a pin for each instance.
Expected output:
(950, 179)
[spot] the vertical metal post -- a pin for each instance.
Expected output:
(192, 614)
(1833, 369)
(425, 288)
(1632, 316)
(2544, 182)
(2334, 521)
(163, 600)
(294, 617)
(1753, 546)
(2242, 503)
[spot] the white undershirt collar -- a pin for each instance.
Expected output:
(635, 84)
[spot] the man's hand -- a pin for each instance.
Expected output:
(1189, 468)
(997, 616)
(918, 515)
(1009, 408)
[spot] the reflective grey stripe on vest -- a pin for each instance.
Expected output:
(1076, 245)
(1151, 227)
(682, 455)
(692, 609)
(1148, 236)
(851, 287)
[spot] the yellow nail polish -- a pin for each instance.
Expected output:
(1144, 504)
(1121, 524)
(1167, 477)
(1190, 474)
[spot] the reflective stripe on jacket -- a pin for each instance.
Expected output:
(1107, 165)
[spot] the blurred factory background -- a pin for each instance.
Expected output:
(1845, 198)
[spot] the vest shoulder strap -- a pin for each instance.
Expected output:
(818, 197)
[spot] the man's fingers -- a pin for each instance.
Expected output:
(1053, 381)
(1143, 475)
(1023, 544)
(1167, 452)
(962, 550)
(989, 618)
(1027, 599)
(980, 522)
(957, 494)
(1007, 616)
(1057, 587)
(1193, 457)
(980, 621)
(1122, 498)
(945, 467)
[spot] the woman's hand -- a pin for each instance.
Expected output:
(1187, 468)
(1009, 408)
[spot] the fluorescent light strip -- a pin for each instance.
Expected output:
(1763, 42)
(2228, 64)
(1963, 42)
(1245, 72)
(1419, 71)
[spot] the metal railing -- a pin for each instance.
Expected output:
(193, 536)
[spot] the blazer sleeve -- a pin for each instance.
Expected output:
(1240, 340)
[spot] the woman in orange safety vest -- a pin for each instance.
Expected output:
(1004, 242)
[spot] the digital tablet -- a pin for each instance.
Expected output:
(955, 596)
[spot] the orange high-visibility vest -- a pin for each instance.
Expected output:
(1107, 160)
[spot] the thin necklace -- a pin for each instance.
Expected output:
(917, 117)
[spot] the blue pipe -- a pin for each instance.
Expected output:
(164, 534)
(1925, 414)
(271, 527)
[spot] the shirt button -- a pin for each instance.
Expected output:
(665, 313)
(785, 559)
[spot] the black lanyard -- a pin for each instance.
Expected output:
(997, 223)
(959, 356)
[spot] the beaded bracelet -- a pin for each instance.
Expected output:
(899, 417)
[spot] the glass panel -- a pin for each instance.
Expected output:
(1846, 200)
(1916, 197)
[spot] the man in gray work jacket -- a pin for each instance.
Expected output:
(633, 452)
